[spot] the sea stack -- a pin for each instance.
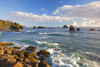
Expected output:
(65, 26)
(78, 29)
(72, 28)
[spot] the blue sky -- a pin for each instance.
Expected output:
(16, 10)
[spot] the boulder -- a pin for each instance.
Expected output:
(78, 29)
(31, 48)
(16, 47)
(34, 27)
(43, 52)
(18, 64)
(43, 62)
(65, 26)
(71, 28)
(92, 29)
(6, 44)
(19, 30)
(1, 52)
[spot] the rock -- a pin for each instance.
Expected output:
(8, 51)
(24, 51)
(1, 52)
(1, 47)
(41, 27)
(34, 27)
(16, 47)
(92, 29)
(33, 60)
(72, 28)
(27, 60)
(43, 52)
(78, 29)
(33, 54)
(19, 30)
(31, 48)
(43, 62)
(65, 26)
(6, 44)
(18, 64)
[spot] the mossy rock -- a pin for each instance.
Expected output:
(43, 52)
(6, 44)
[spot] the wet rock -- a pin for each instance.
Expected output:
(18, 64)
(72, 28)
(27, 60)
(43, 62)
(31, 48)
(78, 29)
(41, 27)
(65, 26)
(43, 52)
(16, 47)
(6, 44)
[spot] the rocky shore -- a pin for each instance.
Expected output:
(14, 57)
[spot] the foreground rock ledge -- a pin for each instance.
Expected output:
(13, 57)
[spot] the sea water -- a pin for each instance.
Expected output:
(67, 49)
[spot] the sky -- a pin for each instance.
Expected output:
(80, 13)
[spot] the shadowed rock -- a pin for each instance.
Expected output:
(78, 29)
(65, 26)
(71, 28)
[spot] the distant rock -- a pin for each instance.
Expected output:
(65, 26)
(34, 27)
(92, 29)
(41, 27)
(78, 29)
(71, 28)
(43, 52)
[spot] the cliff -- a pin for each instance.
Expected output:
(5, 25)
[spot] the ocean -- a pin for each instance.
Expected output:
(67, 49)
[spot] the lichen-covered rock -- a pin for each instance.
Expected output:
(19, 30)
(1, 52)
(71, 28)
(16, 47)
(43, 52)
(31, 48)
(18, 64)
(43, 62)
(6, 44)
(1, 47)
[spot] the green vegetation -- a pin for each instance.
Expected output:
(4, 25)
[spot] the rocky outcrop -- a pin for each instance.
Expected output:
(78, 29)
(92, 29)
(72, 28)
(65, 26)
(34, 27)
(13, 57)
(40, 27)
(8, 25)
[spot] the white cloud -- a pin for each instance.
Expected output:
(45, 10)
(91, 10)
(21, 16)
(88, 23)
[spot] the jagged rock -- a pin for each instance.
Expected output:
(18, 64)
(31, 48)
(24, 51)
(72, 28)
(33, 54)
(92, 29)
(78, 29)
(43, 52)
(27, 60)
(43, 62)
(65, 26)
(1, 52)
(16, 47)
(8, 51)
(6, 44)
(19, 30)
(34, 27)
(1, 47)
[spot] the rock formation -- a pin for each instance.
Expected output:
(71, 28)
(65, 26)
(78, 29)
